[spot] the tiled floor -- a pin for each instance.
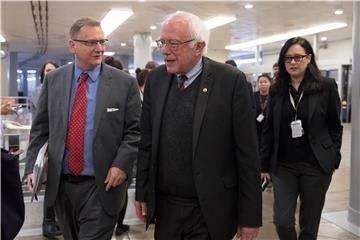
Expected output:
(337, 200)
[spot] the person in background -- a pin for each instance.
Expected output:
(231, 62)
(141, 78)
(198, 171)
(275, 70)
(301, 141)
(12, 200)
(50, 226)
(109, 60)
(89, 113)
(46, 67)
(261, 100)
(151, 65)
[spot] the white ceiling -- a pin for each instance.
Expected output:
(266, 18)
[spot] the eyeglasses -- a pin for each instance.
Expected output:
(172, 44)
(92, 43)
(297, 58)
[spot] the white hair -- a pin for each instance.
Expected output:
(197, 28)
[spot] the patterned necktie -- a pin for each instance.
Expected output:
(181, 81)
(76, 129)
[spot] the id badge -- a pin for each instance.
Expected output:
(296, 129)
(260, 117)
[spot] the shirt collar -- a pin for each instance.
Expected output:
(93, 74)
(194, 72)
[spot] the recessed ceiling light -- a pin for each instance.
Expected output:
(338, 12)
(113, 19)
(109, 53)
(248, 6)
(218, 21)
(69, 62)
(153, 27)
(285, 36)
(323, 38)
(123, 44)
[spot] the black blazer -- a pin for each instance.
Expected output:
(324, 127)
(225, 160)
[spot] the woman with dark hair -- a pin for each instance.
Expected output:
(50, 227)
(46, 67)
(301, 140)
(141, 78)
(261, 99)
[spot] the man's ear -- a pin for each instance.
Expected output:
(71, 45)
(199, 46)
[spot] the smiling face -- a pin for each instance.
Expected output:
(88, 57)
(296, 68)
(185, 56)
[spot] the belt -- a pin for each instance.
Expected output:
(76, 179)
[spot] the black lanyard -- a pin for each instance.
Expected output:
(293, 102)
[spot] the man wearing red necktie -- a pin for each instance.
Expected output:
(89, 113)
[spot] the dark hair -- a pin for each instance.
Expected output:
(265, 76)
(42, 71)
(231, 62)
(312, 75)
(275, 65)
(151, 65)
(142, 76)
(113, 62)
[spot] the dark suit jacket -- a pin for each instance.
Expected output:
(116, 133)
(225, 160)
(324, 128)
(12, 201)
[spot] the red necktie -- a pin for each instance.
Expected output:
(76, 129)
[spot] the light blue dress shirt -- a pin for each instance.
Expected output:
(193, 73)
(92, 84)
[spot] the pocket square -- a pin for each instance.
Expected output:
(112, 109)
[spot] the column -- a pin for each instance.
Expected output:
(4, 71)
(13, 64)
(142, 49)
(354, 202)
(316, 45)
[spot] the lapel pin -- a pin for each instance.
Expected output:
(205, 90)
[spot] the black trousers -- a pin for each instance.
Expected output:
(80, 213)
(122, 212)
(179, 219)
(310, 183)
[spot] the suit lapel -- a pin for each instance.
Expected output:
(65, 92)
(313, 99)
(160, 99)
(103, 92)
(201, 102)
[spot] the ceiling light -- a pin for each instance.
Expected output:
(323, 38)
(338, 11)
(109, 53)
(69, 62)
(2, 39)
(123, 44)
(285, 36)
(248, 6)
(218, 21)
(113, 19)
(153, 27)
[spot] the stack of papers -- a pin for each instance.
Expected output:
(39, 170)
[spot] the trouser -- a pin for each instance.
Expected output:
(310, 183)
(80, 213)
(123, 211)
(179, 220)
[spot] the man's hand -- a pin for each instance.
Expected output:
(247, 233)
(141, 210)
(114, 178)
(30, 185)
(5, 109)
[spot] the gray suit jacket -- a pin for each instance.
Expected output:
(116, 133)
